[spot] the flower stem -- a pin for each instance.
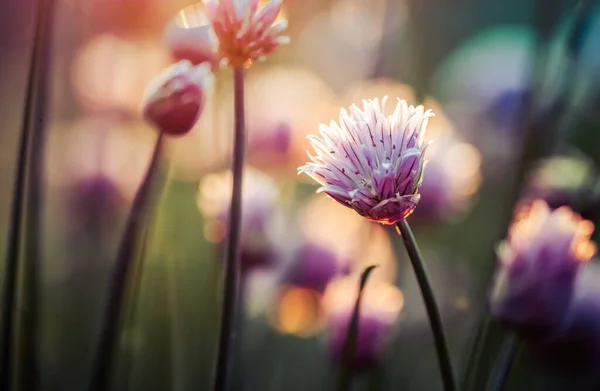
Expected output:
(345, 380)
(109, 332)
(435, 320)
(231, 273)
(503, 365)
(23, 236)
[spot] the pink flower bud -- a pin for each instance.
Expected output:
(174, 100)
(189, 36)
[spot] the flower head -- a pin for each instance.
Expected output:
(245, 33)
(371, 162)
(174, 100)
(538, 266)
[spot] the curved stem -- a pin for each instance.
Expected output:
(349, 352)
(24, 218)
(231, 273)
(435, 319)
(109, 332)
(503, 364)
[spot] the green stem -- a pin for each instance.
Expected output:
(231, 273)
(503, 364)
(433, 312)
(348, 355)
(121, 280)
(19, 314)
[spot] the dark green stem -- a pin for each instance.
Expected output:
(23, 236)
(121, 278)
(503, 364)
(231, 272)
(433, 312)
(348, 355)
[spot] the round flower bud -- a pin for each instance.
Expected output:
(175, 99)
(190, 37)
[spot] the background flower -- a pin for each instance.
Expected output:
(538, 266)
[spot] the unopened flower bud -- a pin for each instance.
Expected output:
(189, 36)
(175, 99)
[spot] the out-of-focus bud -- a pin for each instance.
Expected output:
(260, 213)
(270, 146)
(380, 308)
(538, 265)
(190, 37)
(450, 179)
(174, 100)
(94, 201)
(314, 266)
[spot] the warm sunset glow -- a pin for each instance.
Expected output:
(356, 240)
(117, 150)
(111, 72)
(298, 312)
(380, 299)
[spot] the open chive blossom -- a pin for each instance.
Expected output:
(538, 267)
(246, 34)
(371, 162)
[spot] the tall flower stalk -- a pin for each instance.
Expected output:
(238, 33)
(172, 104)
(373, 163)
(433, 312)
(231, 273)
(349, 351)
(99, 379)
(19, 315)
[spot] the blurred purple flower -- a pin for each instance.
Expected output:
(314, 266)
(270, 145)
(576, 347)
(260, 196)
(451, 177)
(538, 265)
(370, 162)
(504, 111)
(94, 201)
(379, 313)
(175, 99)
